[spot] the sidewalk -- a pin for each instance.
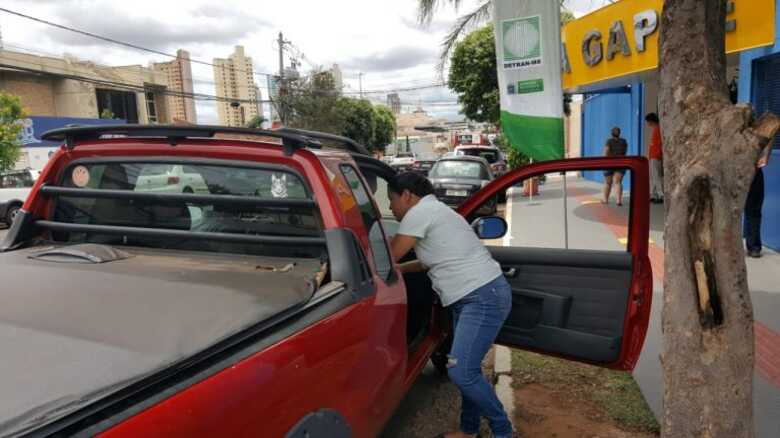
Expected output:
(592, 225)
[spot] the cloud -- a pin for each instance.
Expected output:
(396, 58)
(435, 26)
(206, 25)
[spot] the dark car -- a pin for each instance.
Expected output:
(455, 179)
(492, 154)
(424, 164)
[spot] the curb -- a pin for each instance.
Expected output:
(502, 372)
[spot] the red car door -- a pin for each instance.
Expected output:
(579, 303)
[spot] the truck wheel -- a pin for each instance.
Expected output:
(188, 190)
(10, 214)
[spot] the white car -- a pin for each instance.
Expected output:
(170, 178)
(14, 187)
(403, 161)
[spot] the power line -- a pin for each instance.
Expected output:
(118, 42)
(127, 86)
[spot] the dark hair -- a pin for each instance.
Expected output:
(615, 131)
(412, 181)
(652, 117)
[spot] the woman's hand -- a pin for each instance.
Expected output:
(412, 266)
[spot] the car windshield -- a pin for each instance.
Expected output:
(490, 155)
(17, 180)
(199, 215)
(458, 169)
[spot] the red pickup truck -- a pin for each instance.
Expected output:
(262, 301)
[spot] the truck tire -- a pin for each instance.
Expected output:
(10, 214)
(188, 190)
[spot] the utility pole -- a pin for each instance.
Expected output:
(280, 104)
(360, 81)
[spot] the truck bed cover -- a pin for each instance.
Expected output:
(69, 332)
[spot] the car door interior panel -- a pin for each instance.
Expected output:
(571, 302)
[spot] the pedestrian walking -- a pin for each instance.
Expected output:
(754, 203)
(616, 146)
(468, 281)
(655, 154)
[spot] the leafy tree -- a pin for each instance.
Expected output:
(311, 103)
(256, 122)
(384, 132)
(358, 122)
(11, 113)
(473, 76)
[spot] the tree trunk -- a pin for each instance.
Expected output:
(710, 151)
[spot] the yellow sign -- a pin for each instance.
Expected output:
(622, 38)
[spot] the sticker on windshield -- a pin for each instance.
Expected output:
(279, 186)
(80, 176)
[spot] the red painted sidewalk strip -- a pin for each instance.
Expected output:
(767, 340)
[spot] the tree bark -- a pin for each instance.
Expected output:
(710, 151)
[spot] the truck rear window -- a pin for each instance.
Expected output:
(198, 215)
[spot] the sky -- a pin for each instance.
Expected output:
(378, 38)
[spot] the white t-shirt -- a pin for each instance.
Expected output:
(458, 263)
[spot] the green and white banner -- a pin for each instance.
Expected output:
(528, 48)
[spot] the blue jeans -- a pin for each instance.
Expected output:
(478, 317)
(751, 230)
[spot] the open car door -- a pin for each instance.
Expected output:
(584, 291)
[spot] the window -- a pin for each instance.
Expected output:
(550, 212)
(16, 180)
(459, 169)
(215, 217)
(122, 104)
(151, 108)
(371, 219)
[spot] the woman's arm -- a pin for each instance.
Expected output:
(401, 245)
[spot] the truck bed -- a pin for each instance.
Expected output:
(70, 333)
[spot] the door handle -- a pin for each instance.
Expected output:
(510, 273)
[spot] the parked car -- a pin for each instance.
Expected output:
(14, 188)
(269, 306)
(403, 161)
(170, 178)
(457, 178)
(424, 163)
(492, 154)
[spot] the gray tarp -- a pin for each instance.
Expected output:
(68, 331)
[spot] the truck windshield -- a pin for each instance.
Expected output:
(206, 214)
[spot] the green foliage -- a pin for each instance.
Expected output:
(315, 104)
(11, 113)
(107, 114)
(384, 132)
(357, 119)
(473, 76)
(255, 122)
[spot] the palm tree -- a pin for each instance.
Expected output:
(426, 9)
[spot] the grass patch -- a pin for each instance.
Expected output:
(614, 393)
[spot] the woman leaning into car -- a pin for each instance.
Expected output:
(467, 280)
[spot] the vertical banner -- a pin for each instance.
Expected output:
(528, 48)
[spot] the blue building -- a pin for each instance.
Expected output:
(756, 72)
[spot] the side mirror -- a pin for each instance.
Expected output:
(490, 227)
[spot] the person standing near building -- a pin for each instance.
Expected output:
(751, 230)
(616, 146)
(655, 154)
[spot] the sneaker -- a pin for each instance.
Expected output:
(754, 253)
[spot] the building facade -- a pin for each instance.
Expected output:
(235, 86)
(759, 84)
(179, 79)
(394, 102)
(68, 87)
(621, 90)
